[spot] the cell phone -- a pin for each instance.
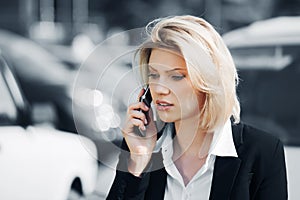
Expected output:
(147, 99)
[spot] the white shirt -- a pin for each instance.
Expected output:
(200, 185)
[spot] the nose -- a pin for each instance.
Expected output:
(160, 89)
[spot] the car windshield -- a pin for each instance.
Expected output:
(265, 57)
(8, 110)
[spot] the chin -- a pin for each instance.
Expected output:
(167, 118)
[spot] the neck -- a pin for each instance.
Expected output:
(191, 140)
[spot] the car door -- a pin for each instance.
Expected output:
(21, 170)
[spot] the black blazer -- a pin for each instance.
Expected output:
(259, 172)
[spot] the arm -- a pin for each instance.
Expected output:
(131, 182)
(126, 185)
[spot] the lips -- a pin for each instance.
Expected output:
(163, 105)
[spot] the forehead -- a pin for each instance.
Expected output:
(166, 58)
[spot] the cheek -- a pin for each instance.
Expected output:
(187, 98)
(192, 101)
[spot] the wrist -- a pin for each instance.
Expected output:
(138, 163)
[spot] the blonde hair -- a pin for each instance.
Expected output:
(209, 64)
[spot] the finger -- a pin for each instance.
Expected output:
(138, 106)
(141, 93)
(129, 127)
(138, 115)
(138, 123)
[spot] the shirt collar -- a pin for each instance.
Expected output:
(222, 144)
(166, 139)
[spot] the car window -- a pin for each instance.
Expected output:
(269, 57)
(8, 110)
(13, 87)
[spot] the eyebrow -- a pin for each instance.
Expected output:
(171, 70)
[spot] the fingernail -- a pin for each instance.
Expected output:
(146, 122)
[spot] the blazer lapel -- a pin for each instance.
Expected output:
(158, 179)
(226, 169)
(157, 185)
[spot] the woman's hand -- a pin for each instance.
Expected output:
(141, 148)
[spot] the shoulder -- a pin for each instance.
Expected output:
(260, 153)
(250, 140)
(262, 161)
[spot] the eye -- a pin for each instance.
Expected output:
(178, 77)
(153, 75)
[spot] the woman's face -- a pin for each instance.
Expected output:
(172, 92)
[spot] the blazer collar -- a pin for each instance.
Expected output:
(226, 169)
(237, 133)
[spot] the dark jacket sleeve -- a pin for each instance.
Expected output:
(274, 184)
(126, 185)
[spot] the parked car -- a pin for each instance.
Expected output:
(104, 86)
(43, 77)
(72, 93)
(38, 161)
(267, 55)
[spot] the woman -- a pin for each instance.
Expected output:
(203, 151)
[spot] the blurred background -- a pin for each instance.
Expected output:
(45, 44)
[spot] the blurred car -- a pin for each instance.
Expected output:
(38, 161)
(71, 89)
(43, 77)
(267, 55)
(104, 87)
